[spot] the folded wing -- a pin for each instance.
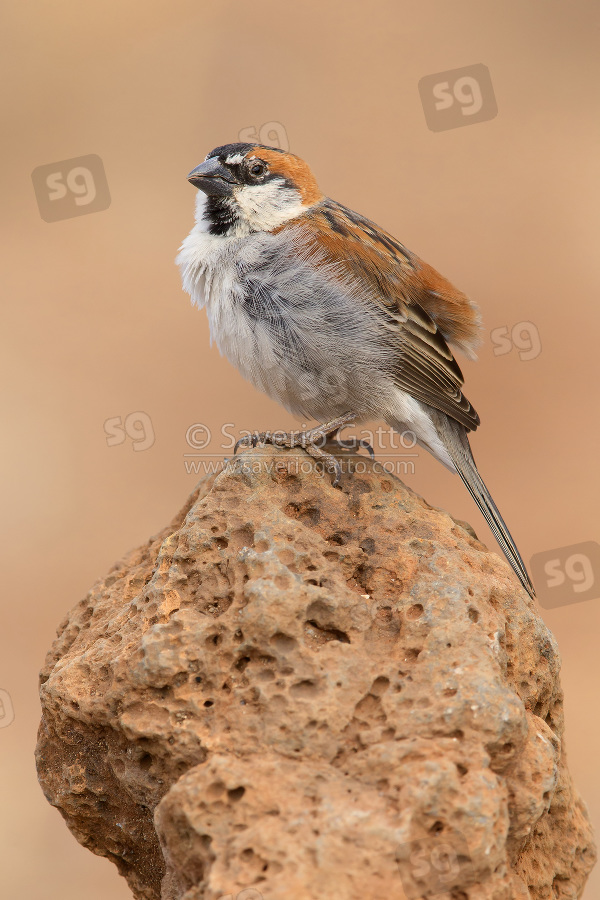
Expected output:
(423, 312)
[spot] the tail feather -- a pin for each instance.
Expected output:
(456, 442)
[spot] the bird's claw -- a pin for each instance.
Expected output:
(311, 441)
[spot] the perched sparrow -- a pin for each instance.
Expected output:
(329, 315)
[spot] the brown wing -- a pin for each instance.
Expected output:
(424, 311)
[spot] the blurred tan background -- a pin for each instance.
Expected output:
(96, 327)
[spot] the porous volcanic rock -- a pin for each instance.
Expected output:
(297, 692)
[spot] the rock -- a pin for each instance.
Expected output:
(295, 691)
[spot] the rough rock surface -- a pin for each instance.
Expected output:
(300, 692)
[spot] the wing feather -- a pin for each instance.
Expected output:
(424, 313)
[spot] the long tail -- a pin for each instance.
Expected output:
(456, 442)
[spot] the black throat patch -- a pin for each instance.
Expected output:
(221, 214)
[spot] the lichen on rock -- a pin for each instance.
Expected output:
(296, 691)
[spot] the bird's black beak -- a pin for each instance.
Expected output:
(212, 178)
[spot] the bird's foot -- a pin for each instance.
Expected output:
(311, 441)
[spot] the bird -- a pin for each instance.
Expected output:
(331, 316)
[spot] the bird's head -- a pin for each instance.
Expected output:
(246, 188)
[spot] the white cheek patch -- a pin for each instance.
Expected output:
(259, 207)
(200, 210)
(264, 207)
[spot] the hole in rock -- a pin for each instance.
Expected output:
(145, 761)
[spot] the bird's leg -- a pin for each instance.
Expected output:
(310, 441)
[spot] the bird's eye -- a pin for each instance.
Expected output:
(257, 169)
